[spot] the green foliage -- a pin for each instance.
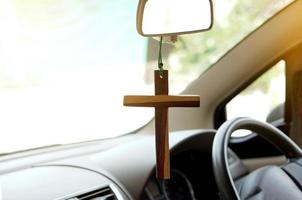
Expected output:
(265, 81)
(195, 53)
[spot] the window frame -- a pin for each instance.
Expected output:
(220, 115)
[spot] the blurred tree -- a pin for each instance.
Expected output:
(234, 19)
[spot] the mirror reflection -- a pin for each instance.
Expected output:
(168, 17)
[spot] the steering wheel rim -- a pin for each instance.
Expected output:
(221, 169)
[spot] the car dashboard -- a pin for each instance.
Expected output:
(191, 178)
(119, 168)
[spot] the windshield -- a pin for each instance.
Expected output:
(66, 64)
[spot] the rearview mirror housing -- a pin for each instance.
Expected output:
(173, 17)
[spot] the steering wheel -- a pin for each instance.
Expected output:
(269, 182)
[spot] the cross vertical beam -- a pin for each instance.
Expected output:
(161, 128)
(161, 102)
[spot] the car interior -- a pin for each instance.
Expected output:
(66, 65)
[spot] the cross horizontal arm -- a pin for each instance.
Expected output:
(162, 101)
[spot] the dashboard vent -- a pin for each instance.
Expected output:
(105, 193)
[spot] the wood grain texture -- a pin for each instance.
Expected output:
(161, 83)
(162, 101)
(162, 144)
(162, 129)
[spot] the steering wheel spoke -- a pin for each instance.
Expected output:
(269, 182)
(294, 171)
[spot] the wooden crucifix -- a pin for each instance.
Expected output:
(162, 101)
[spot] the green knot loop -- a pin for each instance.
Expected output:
(160, 60)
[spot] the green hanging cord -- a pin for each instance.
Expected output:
(160, 60)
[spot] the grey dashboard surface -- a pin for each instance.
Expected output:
(131, 164)
(126, 163)
(50, 182)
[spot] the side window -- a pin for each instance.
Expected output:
(262, 100)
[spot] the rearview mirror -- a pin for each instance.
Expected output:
(173, 17)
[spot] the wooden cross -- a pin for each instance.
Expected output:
(162, 101)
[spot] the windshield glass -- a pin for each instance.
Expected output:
(66, 64)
